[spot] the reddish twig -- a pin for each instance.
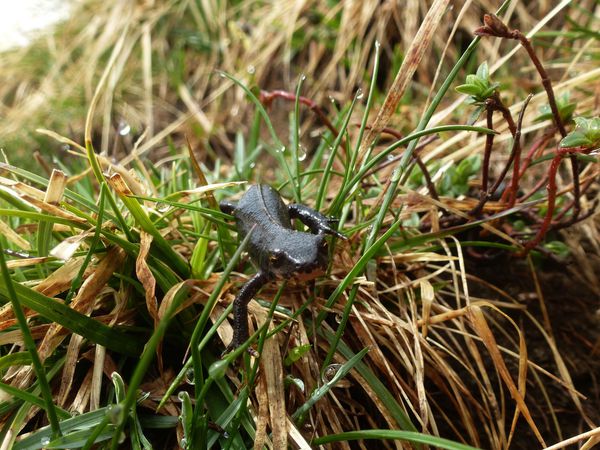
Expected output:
(495, 27)
(516, 150)
(551, 188)
(494, 103)
(537, 148)
(267, 97)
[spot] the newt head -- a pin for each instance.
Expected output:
(299, 255)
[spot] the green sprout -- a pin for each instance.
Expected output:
(478, 87)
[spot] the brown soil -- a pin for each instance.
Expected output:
(574, 314)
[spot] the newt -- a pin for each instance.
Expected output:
(278, 250)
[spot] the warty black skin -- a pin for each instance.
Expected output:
(275, 247)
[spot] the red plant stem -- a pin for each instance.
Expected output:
(267, 98)
(495, 27)
(526, 43)
(547, 223)
(540, 144)
(551, 202)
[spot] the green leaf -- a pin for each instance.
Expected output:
(483, 71)
(469, 89)
(575, 139)
(559, 248)
(408, 436)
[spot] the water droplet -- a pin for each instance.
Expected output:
(222, 75)
(281, 149)
(183, 443)
(302, 77)
(331, 99)
(252, 165)
(66, 147)
(124, 128)
(330, 372)
(377, 45)
(225, 434)
(162, 207)
(189, 377)
(251, 69)
(390, 157)
(114, 413)
(338, 318)
(218, 369)
(359, 94)
(45, 440)
(302, 153)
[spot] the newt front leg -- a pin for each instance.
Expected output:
(314, 220)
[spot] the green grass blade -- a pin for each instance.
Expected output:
(406, 436)
(56, 311)
(300, 413)
(36, 362)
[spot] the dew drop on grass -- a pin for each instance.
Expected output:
(225, 434)
(359, 94)
(183, 443)
(252, 165)
(162, 207)
(124, 128)
(302, 77)
(189, 377)
(377, 45)
(114, 413)
(331, 99)
(390, 157)
(45, 440)
(302, 153)
(251, 69)
(330, 372)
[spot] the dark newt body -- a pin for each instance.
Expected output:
(277, 249)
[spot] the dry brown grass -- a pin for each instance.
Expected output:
(458, 363)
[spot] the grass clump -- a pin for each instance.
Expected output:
(121, 269)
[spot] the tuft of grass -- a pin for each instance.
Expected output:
(117, 285)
